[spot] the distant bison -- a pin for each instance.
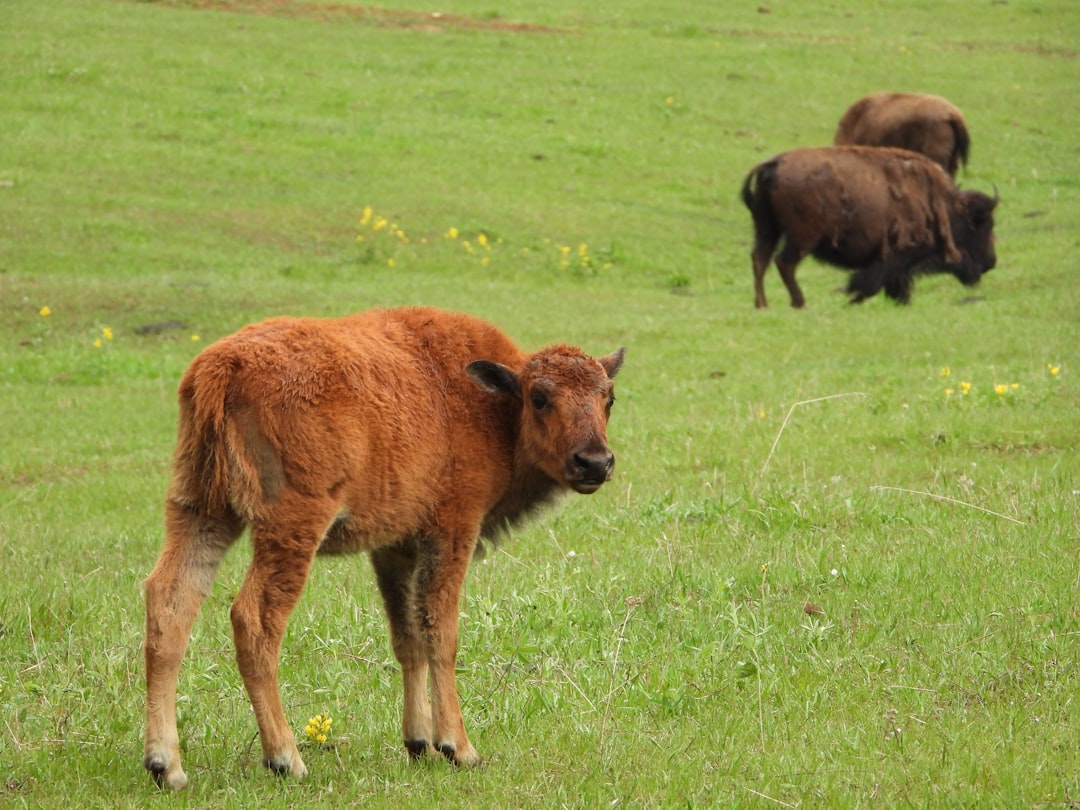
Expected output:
(886, 214)
(929, 125)
(405, 433)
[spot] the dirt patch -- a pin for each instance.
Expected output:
(419, 20)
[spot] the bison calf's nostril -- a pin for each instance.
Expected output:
(594, 465)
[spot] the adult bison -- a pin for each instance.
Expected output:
(886, 214)
(405, 433)
(929, 125)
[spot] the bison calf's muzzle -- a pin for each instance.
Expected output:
(590, 469)
(409, 434)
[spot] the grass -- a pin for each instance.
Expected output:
(816, 580)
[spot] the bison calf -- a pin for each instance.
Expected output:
(886, 214)
(929, 125)
(408, 434)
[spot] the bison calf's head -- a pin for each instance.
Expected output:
(972, 223)
(565, 398)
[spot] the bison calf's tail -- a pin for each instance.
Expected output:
(201, 468)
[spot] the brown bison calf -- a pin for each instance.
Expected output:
(886, 214)
(929, 125)
(408, 434)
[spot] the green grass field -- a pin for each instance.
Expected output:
(818, 579)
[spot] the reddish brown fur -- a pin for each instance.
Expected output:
(408, 434)
(926, 124)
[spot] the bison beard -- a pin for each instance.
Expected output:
(885, 214)
(408, 434)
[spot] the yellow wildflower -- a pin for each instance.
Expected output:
(390, 262)
(366, 218)
(107, 333)
(452, 233)
(945, 372)
(1000, 389)
(965, 388)
(318, 728)
(44, 312)
(950, 391)
(379, 224)
(194, 338)
(97, 343)
(483, 241)
(1054, 370)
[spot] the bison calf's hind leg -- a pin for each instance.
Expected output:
(395, 571)
(442, 565)
(174, 592)
(285, 545)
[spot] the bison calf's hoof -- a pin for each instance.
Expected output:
(416, 748)
(174, 780)
(464, 759)
(285, 765)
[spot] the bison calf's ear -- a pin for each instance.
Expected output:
(494, 378)
(613, 362)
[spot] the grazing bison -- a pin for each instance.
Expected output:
(929, 125)
(406, 433)
(886, 214)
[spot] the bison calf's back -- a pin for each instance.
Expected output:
(886, 215)
(409, 434)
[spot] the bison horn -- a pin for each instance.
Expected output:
(997, 196)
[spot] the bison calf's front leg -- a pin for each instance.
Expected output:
(439, 580)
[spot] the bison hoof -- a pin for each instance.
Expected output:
(416, 748)
(462, 759)
(175, 779)
(286, 765)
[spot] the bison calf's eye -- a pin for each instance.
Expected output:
(539, 400)
(611, 401)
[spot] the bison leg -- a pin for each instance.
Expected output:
(175, 590)
(866, 283)
(441, 571)
(786, 262)
(395, 570)
(895, 279)
(285, 542)
(898, 286)
(765, 239)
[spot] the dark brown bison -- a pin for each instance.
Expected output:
(929, 125)
(886, 214)
(405, 433)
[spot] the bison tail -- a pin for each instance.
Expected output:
(757, 195)
(962, 141)
(758, 184)
(201, 464)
